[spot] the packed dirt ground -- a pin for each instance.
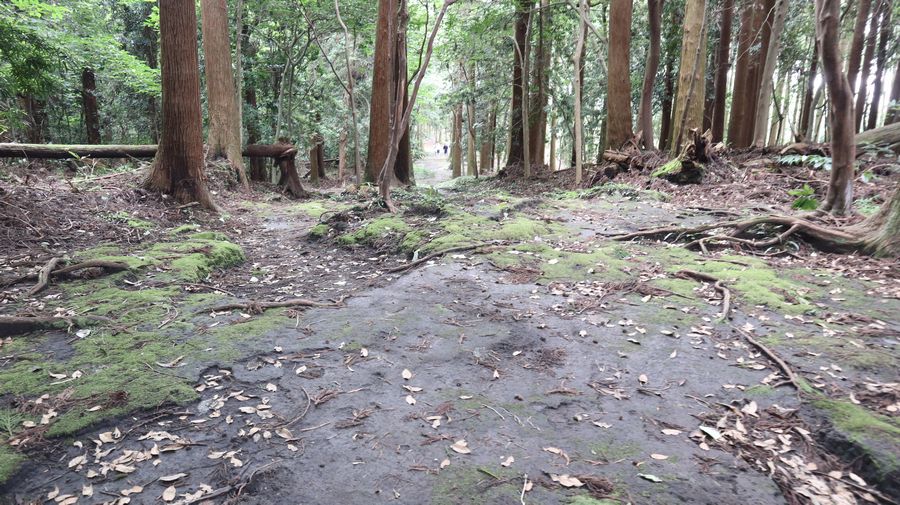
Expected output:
(491, 343)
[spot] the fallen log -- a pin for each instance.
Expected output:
(888, 136)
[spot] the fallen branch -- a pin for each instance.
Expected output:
(785, 369)
(15, 325)
(413, 264)
(107, 266)
(717, 284)
(44, 276)
(260, 307)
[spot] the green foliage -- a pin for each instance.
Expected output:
(811, 160)
(806, 199)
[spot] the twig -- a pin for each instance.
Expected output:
(792, 377)
(524, 488)
(717, 284)
(303, 414)
(44, 276)
(495, 411)
(413, 264)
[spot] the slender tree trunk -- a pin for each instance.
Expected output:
(764, 98)
(382, 101)
(519, 83)
(487, 142)
(665, 128)
(456, 142)
(224, 136)
(868, 56)
(856, 45)
(584, 8)
(471, 150)
(151, 56)
(403, 166)
(541, 80)
(880, 61)
(893, 113)
(691, 83)
(618, 101)
(645, 114)
(178, 166)
(89, 106)
(314, 160)
(553, 163)
(807, 107)
(745, 93)
(843, 145)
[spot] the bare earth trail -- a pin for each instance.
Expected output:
(551, 369)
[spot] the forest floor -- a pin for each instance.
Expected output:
(539, 362)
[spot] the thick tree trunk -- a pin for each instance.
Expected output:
(618, 96)
(691, 83)
(804, 125)
(552, 128)
(519, 92)
(404, 165)
(868, 56)
(886, 136)
(856, 45)
(178, 166)
(645, 113)
(746, 91)
(893, 113)
(880, 60)
(258, 170)
(456, 142)
(764, 98)
(541, 80)
(224, 135)
(881, 232)
(843, 146)
(382, 100)
(665, 127)
(89, 106)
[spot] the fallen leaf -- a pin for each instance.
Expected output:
(171, 364)
(172, 478)
(508, 461)
(410, 400)
(271, 387)
(750, 409)
(406, 374)
(364, 352)
(566, 480)
(169, 494)
(87, 490)
(660, 457)
(53, 494)
(650, 477)
(669, 431)
(642, 379)
(461, 446)
(711, 432)
(445, 463)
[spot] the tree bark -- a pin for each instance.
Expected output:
(746, 91)
(843, 147)
(224, 135)
(152, 57)
(519, 83)
(89, 106)
(487, 142)
(868, 56)
(893, 113)
(456, 142)
(382, 99)
(178, 166)
(691, 83)
(618, 97)
(807, 107)
(403, 166)
(856, 45)
(880, 61)
(764, 98)
(665, 127)
(541, 78)
(645, 113)
(581, 34)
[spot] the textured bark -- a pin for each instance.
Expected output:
(456, 142)
(35, 118)
(519, 92)
(178, 166)
(487, 143)
(645, 113)
(471, 150)
(584, 10)
(224, 135)
(843, 146)
(880, 60)
(893, 114)
(887, 135)
(804, 126)
(258, 170)
(745, 92)
(403, 165)
(541, 80)
(382, 100)
(856, 45)
(764, 98)
(665, 127)
(152, 57)
(882, 230)
(868, 57)
(689, 102)
(618, 96)
(89, 106)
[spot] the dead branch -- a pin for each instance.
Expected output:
(792, 377)
(717, 284)
(44, 276)
(413, 264)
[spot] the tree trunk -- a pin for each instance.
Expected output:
(403, 166)
(456, 143)
(843, 147)
(746, 91)
(314, 160)
(645, 113)
(665, 127)
(882, 237)
(869, 55)
(766, 90)
(519, 83)
(382, 100)
(178, 166)
(581, 35)
(89, 106)
(553, 164)
(224, 136)
(893, 113)
(471, 150)
(541, 79)
(886, 136)
(856, 45)
(880, 60)
(152, 57)
(618, 96)
(806, 109)
(691, 83)
(487, 142)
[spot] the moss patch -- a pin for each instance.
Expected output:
(9, 463)
(876, 435)
(319, 231)
(471, 485)
(590, 500)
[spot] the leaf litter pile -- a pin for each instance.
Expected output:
(543, 369)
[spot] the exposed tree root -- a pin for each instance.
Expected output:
(717, 284)
(49, 271)
(785, 369)
(20, 325)
(413, 264)
(260, 307)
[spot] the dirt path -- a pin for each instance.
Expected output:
(558, 357)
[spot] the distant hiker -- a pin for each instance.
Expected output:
(445, 149)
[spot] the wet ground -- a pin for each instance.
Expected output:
(497, 376)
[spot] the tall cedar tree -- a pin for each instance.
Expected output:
(618, 102)
(843, 144)
(382, 89)
(541, 79)
(723, 53)
(689, 102)
(745, 93)
(516, 125)
(645, 113)
(804, 126)
(868, 57)
(880, 60)
(89, 106)
(856, 45)
(178, 166)
(766, 91)
(224, 136)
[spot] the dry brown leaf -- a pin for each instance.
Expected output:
(169, 494)
(461, 446)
